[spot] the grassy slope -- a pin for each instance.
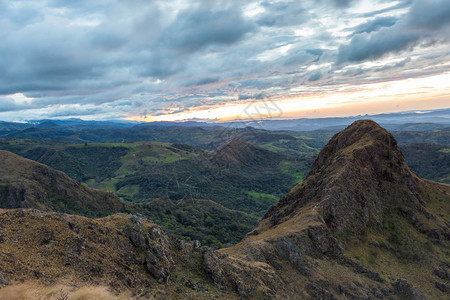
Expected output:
(402, 250)
(184, 219)
(26, 183)
(147, 170)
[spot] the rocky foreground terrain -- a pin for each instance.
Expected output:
(360, 226)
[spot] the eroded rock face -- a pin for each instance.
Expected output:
(247, 279)
(156, 244)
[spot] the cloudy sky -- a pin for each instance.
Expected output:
(180, 59)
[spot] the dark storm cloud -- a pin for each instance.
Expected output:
(421, 23)
(65, 52)
(202, 81)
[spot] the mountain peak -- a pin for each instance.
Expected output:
(357, 177)
(359, 198)
(362, 134)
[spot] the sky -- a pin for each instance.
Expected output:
(171, 60)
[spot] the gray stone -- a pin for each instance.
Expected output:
(137, 237)
(404, 289)
(442, 287)
(197, 244)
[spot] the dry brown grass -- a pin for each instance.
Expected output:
(35, 291)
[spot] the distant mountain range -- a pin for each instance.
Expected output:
(411, 120)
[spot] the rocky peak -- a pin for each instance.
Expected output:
(357, 177)
(359, 196)
(359, 139)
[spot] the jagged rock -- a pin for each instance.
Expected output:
(357, 267)
(442, 287)
(198, 286)
(404, 289)
(247, 279)
(318, 292)
(80, 245)
(197, 244)
(73, 226)
(1, 236)
(159, 271)
(324, 241)
(137, 237)
(180, 244)
(441, 273)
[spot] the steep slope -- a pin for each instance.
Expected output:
(28, 184)
(360, 217)
(360, 171)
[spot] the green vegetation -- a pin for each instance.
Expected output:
(404, 240)
(430, 161)
(143, 171)
(203, 220)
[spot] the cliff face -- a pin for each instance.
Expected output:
(28, 184)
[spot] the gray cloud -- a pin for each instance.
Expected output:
(283, 14)
(253, 96)
(114, 58)
(315, 76)
(375, 25)
(429, 15)
(342, 3)
(204, 26)
(9, 104)
(423, 22)
(372, 46)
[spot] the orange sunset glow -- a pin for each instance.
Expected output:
(402, 95)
